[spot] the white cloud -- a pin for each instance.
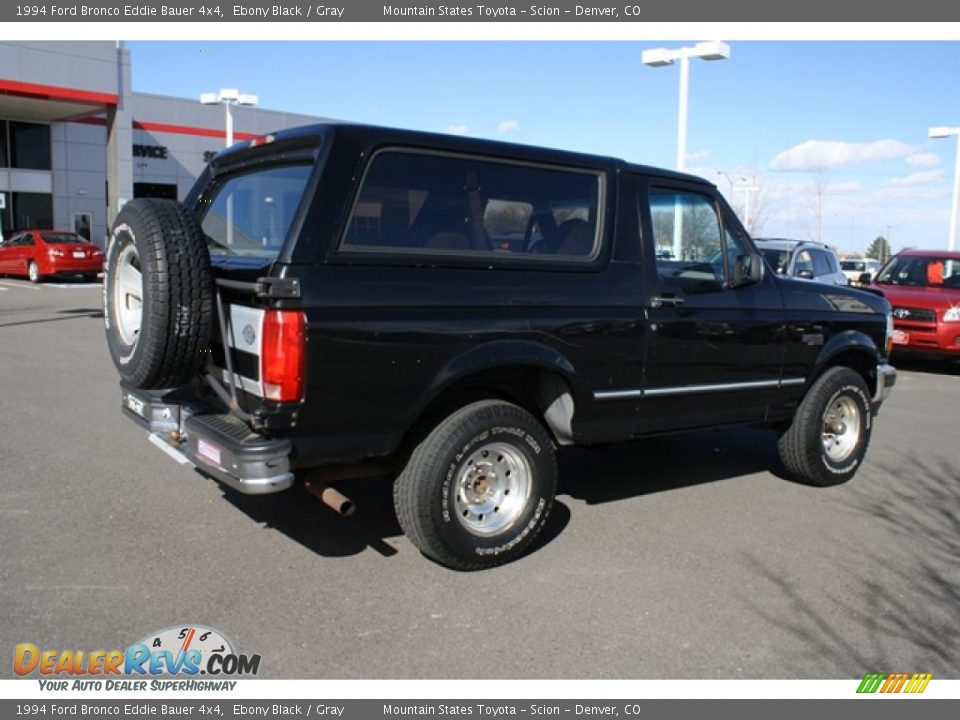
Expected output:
(458, 129)
(851, 186)
(923, 160)
(508, 126)
(826, 154)
(918, 178)
(698, 155)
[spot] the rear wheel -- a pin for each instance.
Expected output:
(33, 272)
(479, 488)
(157, 294)
(828, 438)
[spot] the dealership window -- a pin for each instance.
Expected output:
(3, 144)
(29, 145)
(32, 210)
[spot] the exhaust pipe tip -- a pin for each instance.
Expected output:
(332, 498)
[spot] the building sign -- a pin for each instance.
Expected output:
(158, 152)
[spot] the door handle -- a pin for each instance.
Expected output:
(666, 301)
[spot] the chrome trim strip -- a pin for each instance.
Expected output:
(886, 379)
(617, 394)
(629, 394)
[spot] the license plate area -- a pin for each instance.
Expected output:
(900, 337)
(78, 253)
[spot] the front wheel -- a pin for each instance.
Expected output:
(479, 488)
(828, 438)
(33, 272)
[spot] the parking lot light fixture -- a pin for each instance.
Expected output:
(945, 132)
(228, 97)
(661, 57)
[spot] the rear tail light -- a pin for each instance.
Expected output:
(262, 140)
(55, 252)
(283, 355)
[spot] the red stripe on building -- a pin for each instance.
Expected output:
(53, 92)
(188, 130)
(166, 128)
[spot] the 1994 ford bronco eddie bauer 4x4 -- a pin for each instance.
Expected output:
(457, 309)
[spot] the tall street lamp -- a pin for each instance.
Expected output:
(229, 97)
(660, 57)
(943, 132)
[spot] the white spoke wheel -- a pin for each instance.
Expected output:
(478, 488)
(128, 294)
(33, 272)
(827, 440)
(157, 294)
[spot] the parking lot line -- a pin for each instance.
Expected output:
(18, 285)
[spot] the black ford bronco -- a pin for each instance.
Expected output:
(456, 309)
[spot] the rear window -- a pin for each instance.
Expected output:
(61, 238)
(853, 265)
(250, 214)
(440, 204)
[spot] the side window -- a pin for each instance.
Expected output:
(443, 204)
(804, 263)
(832, 262)
(686, 235)
(821, 265)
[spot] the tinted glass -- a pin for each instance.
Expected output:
(61, 238)
(32, 210)
(804, 263)
(686, 234)
(921, 271)
(251, 214)
(442, 204)
(776, 259)
(853, 265)
(29, 146)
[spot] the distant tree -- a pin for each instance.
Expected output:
(879, 249)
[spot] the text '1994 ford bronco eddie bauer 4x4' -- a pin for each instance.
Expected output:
(456, 309)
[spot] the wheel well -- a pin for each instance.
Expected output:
(544, 394)
(858, 360)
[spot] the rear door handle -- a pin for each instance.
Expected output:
(666, 301)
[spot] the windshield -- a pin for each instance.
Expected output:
(853, 265)
(61, 238)
(777, 259)
(921, 271)
(251, 214)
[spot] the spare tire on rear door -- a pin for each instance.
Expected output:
(158, 296)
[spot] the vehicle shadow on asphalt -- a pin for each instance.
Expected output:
(71, 314)
(903, 595)
(659, 464)
(631, 470)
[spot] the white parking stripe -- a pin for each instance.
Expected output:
(19, 285)
(73, 286)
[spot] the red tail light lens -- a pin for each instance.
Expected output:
(283, 355)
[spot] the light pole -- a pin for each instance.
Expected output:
(943, 132)
(747, 189)
(661, 57)
(228, 97)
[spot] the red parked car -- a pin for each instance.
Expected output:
(38, 254)
(923, 287)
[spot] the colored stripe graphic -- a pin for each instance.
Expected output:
(894, 683)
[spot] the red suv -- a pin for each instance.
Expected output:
(923, 287)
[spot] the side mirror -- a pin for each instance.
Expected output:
(865, 278)
(747, 269)
(805, 274)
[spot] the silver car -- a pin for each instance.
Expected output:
(802, 259)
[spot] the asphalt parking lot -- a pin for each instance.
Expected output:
(682, 557)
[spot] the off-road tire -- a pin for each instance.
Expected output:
(426, 492)
(177, 294)
(801, 445)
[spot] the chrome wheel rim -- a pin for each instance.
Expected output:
(841, 428)
(33, 272)
(492, 490)
(128, 294)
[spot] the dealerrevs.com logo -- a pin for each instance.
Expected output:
(184, 652)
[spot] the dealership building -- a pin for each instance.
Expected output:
(76, 142)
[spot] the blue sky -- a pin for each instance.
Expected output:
(849, 118)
